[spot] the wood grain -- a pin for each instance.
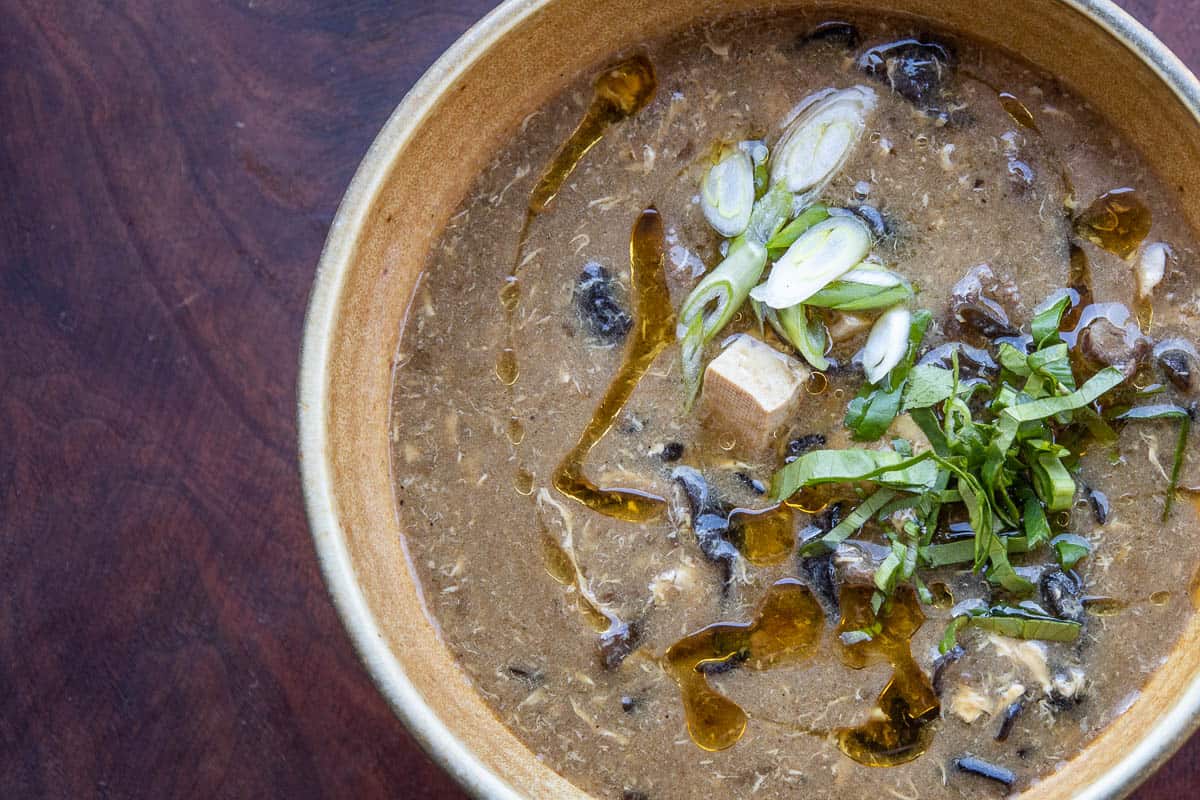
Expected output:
(170, 172)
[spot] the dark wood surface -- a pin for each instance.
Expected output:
(169, 171)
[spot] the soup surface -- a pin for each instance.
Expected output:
(718, 624)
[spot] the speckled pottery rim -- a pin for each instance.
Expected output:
(316, 445)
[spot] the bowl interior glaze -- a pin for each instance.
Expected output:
(419, 170)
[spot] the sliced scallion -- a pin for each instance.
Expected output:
(727, 192)
(887, 343)
(789, 233)
(825, 252)
(802, 331)
(716, 299)
(863, 289)
(818, 141)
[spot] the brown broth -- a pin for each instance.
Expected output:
(504, 406)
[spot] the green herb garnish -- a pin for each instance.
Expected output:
(997, 450)
(1185, 426)
(1015, 621)
(871, 413)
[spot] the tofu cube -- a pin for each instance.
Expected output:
(749, 392)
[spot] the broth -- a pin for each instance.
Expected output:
(539, 452)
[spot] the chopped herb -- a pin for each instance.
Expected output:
(1018, 622)
(1004, 450)
(927, 386)
(872, 411)
(851, 524)
(1037, 527)
(1070, 549)
(1047, 318)
(1185, 426)
(1052, 482)
(884, 467)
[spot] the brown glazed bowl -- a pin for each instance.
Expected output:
(419, 169)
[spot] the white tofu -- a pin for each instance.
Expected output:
(847, 326)
(750, 390)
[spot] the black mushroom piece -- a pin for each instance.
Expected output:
(874, 220)
(820, 576)
(834, 32)
(531, 677)
(600, 313)
(671, 451)
(1009, 720)
(915, 70)
(1062, 594)
(697, 499)
(1020, 173)
(941, 663)
(618, 642)
(973, 361)
(973, 309)
(1068, 690)
(986, 769)
(1106, 337)
(1179, 363)
(728, 665)
(750, 482)
(1101, 507)
(707, 516)
(802, 444)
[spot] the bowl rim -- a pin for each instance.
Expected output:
(320, 322)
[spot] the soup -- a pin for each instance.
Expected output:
(804, 404)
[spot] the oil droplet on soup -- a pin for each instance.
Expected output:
(620, 92)
(908, 702)
(764, 537)
(654, 331)
(507, 369)
(1116, 221)
(1194, 588)
(523, 482)
(786, 629)
(1017, 110)
(562, 568)
(558, 563)
(1104, 606)
(942, 596)
(510, 294)
(515, 431)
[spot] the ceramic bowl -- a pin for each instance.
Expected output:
(420, 168)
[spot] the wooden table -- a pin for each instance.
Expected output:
(170, 170)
